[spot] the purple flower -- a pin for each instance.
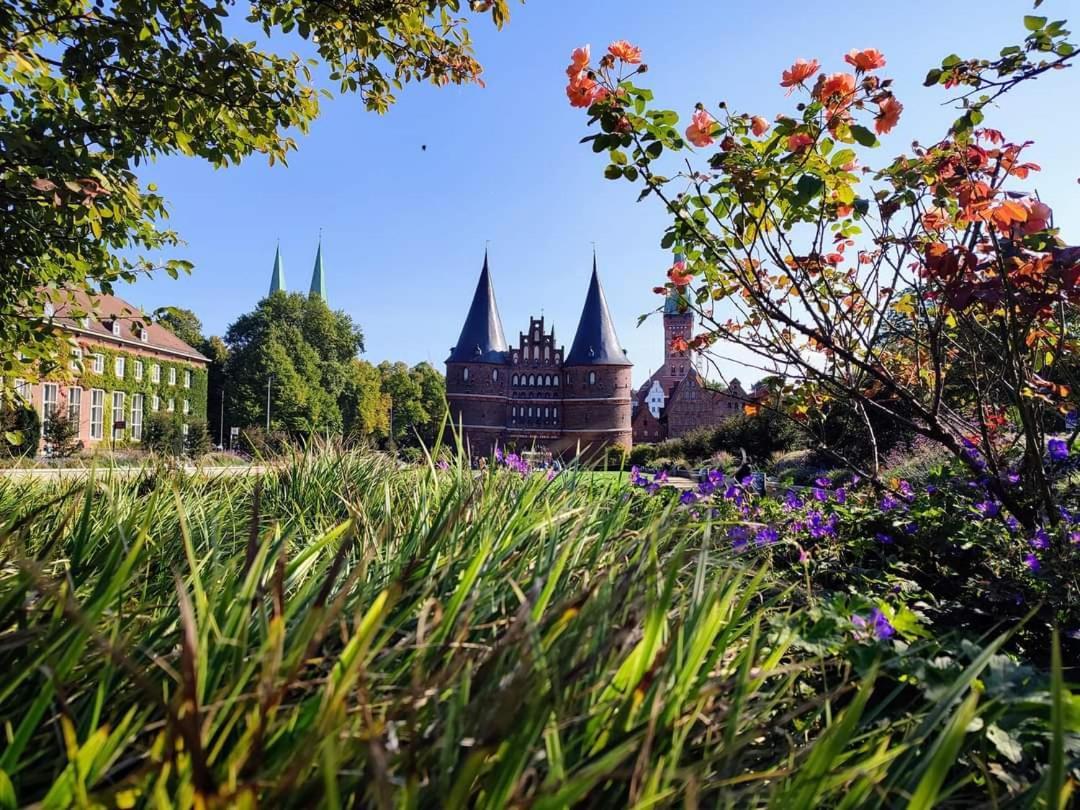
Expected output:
(1040, 540)
(911, 527)
(888, 503)
(931, 489)
(906, 491)
(988, 509)
(740, 537)
(550, 474)
(820, 494)
(687, 498)
(443, 464)
(792, 501)
(1074, 537)
(498, 454)
(884, 539)
(1032, 562)
(1012, 524)
(876, 624)
(823, 482)
(821, 526)
(766, 536)
(841, 495)
(1059, 449)
(1012, 477)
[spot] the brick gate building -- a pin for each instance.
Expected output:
(534, 395)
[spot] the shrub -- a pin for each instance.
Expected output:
(642, 454)
(616, 456)
(61, 435)
(257, 442)
(197, 443)
(162, 435)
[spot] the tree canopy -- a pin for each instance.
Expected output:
(92, 90)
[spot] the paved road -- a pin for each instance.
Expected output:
(68, 473)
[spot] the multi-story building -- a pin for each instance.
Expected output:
(535, 395)
(676, 399)
(118, 370)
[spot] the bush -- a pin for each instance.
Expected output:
(21, 429)
(197, 444)
(642, 455)
(616, 456)
(61, 435)
(257, 442)
(162, 434)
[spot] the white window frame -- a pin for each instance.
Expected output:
(137, 368)
(186, 406)
(119, 366)
(170, 406)
(172, 375)
(99, 363)
(144, 334)
(116, 327)
(136, 416)
(155, 373)
(75, 363)
(74, 404)
(187, 378)
(118, 397)
(22, 390)
(97, 413)
(48, 409)
(155, 403)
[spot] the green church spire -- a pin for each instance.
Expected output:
(277, 280)
(318, 277)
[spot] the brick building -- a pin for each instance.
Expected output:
(676, 399)
(534, 395)
(119, 368)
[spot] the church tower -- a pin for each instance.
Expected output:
(678, 324)
(597, 377)
(318, 277)
(277, 280)
(477, 378)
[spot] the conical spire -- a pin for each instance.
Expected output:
(673, 304)
(482, 339)
(318, 278)
(596, 343)
(277, 280)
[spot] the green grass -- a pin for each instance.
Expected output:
(346, 633)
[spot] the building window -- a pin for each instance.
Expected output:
(547, 414)
(514, 380)
(530, 413)
(464, 375)
(184, 430)
(532, 380)
(592, 378)
(172, 375)
(22, 389)
(155, 403)
(85, 320)
(116, 327)
(144, 334)
(74, 405)
(118, 367)
(138, 369)
(117, 414)
(75, 363)
(494, 375)
(187, 407)
(99, 364)
(170, 406)
(97, 413)
(49, 393)
(155, 373)
(555, 413)
(567, 379)
(136, 416)
(187, 378)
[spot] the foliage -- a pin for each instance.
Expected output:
(884, 290)
(183, 323)
(93, 90)
(343, 627)
(20, 426)
(197, 443)
(61, 435)
(261, 444)
(365, 407)
(300, 350)
(641, 455)
(162, 434)
(417, 399)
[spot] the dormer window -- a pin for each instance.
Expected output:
(116, 327)
(144, 334)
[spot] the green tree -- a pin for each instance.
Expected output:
(301, 352)
(365, 409)
(92, 90)
(183, 323)
(418, 399)
(186, 325)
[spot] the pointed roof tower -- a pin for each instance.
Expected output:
(673, 304)
(596, 343)
(277, 280)
(482, 339)
(318, 278)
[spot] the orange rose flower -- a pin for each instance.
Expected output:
(699, 133)
(1038, 218)
(758, 125)
(582, 91)
(621, 49)
(837, 91)
(865, 60)
(798, 141)
(579, 60)
(889, 110)
(678, 275)
(798, 73)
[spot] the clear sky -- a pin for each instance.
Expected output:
(404, 229)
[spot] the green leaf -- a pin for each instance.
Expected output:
(618, 157)
(613, 172)
(863, 136)
(13, 437)
(630, 173)
(7, 793)
(933, 77)
(952, 60)
(653, 150)
(809, 186)
(1033, 23)
(668, 241)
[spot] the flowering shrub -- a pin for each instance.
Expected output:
(931, 293)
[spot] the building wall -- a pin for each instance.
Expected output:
(86, 380)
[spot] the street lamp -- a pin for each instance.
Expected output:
(269, 380)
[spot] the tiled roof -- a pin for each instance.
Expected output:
(596, 343)
(103, 309)
(482, 339)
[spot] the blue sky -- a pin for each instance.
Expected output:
(404, 229)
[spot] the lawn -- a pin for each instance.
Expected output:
(344, 632)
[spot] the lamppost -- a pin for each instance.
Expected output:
(221, 424)
(269, 380)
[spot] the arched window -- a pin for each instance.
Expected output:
(555, 413)
(592, 378)
(547, 353)
(464, 375)
(530, 413)
(546, 413)
(532, 379)
(494, 375)
(514, 380)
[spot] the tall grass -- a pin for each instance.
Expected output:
(346, 633)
